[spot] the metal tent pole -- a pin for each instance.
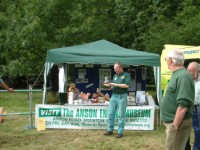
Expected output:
(30, 101)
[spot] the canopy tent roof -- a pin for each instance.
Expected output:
(101, 52)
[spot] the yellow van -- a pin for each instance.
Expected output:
(191, 53)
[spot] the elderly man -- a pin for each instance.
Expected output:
(4, 85)
(120, 85)
(177, 104)
(193, 69)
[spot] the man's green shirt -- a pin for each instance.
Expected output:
(122, 78)
(179, 93)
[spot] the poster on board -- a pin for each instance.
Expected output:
(132, 73)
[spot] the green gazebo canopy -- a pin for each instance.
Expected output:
(98, 52)
(101, 52)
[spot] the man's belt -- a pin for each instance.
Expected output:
(119, 92)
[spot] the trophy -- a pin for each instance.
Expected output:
(106, 80)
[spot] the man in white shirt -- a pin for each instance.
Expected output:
(194, 68)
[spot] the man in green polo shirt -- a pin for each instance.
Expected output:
(177, 104)
(120, 85)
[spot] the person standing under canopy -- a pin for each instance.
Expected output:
(118, 101)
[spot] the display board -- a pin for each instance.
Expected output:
(132, 73)
(93, 116)
(88, 79)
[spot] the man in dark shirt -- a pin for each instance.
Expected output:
(120, 85)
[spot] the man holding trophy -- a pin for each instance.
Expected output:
(118, 101)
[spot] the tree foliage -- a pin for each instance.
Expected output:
(182, 28)
(28, 28)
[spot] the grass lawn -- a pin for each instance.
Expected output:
(14, 134)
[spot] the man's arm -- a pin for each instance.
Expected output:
(119, 85)
(180, 113)
(4, 85)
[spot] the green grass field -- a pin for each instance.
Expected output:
(15, 134)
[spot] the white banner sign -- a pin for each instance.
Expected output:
(93, 117)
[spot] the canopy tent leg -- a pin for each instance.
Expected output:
(157, 77)
(48, 66)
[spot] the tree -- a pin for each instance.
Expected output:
(29, 28)
(24, 42)
(183, 28)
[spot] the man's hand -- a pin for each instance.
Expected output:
(107, 84)
(11, 90)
